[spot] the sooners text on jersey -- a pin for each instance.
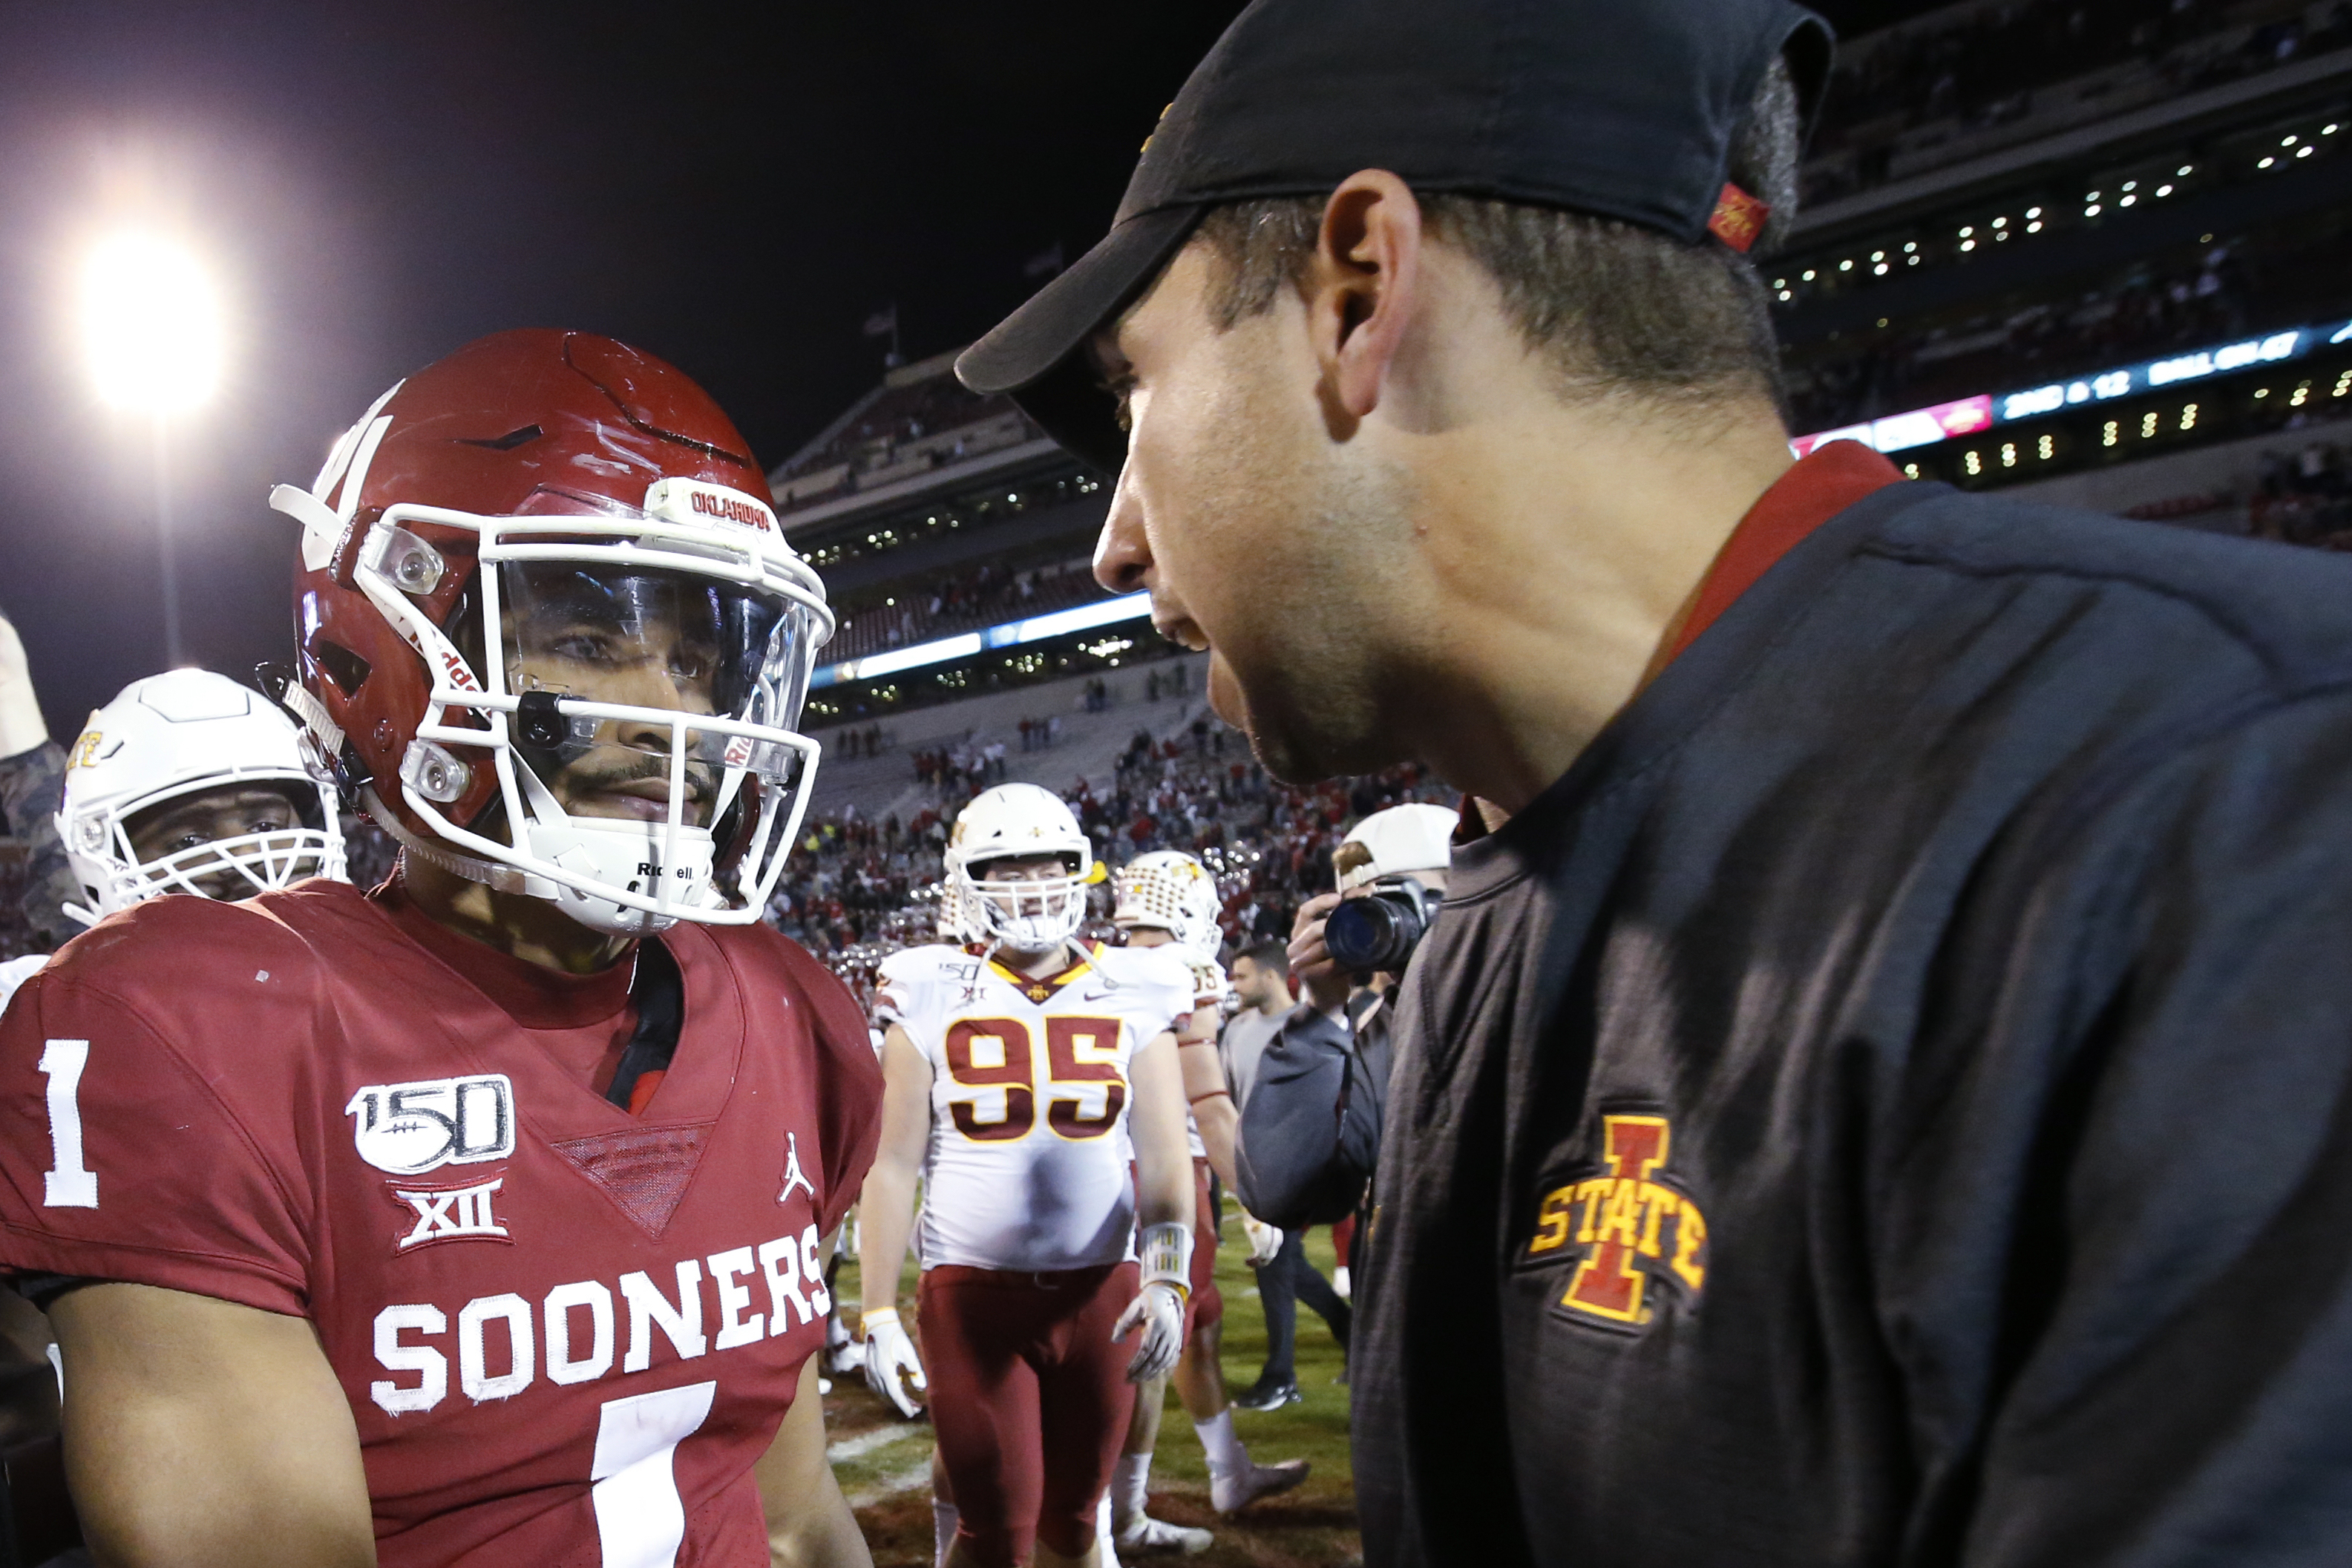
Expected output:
(566, 1332)
(1027, 1168)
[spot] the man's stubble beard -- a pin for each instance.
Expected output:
(1318, 697)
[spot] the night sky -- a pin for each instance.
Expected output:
(376, 185)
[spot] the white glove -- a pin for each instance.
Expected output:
(1159, 1310)
(888, 1353)
(1264, 1239)
(21, 726)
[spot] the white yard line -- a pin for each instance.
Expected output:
(907, 1480)
(866, 1442)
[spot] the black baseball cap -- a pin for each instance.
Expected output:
(1624, 109)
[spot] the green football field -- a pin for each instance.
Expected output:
(884, 1462)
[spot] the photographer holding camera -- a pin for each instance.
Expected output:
(1310, 1130)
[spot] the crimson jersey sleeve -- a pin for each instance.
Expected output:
(122, 1152)
(850, 1114)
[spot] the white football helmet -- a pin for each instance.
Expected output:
(171, 736)
(1174, 893)
(1019, 821)
(956, 923)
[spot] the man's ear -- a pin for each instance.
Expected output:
(1362, 288)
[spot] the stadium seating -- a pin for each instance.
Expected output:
(1087, 747)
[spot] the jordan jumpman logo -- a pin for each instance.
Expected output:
(793, 1175)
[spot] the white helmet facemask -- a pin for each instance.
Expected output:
(1032, 914)
(637, 712)
(238, 866)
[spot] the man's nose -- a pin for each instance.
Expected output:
(651, 685)
(1123, 555)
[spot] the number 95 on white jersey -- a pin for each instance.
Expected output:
(1027, 1168)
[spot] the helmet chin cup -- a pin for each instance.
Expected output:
(628, 855)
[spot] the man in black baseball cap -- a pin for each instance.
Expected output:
(1877, 1091)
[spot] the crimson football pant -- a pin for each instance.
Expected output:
(1207, 1306)
(1029, 1399)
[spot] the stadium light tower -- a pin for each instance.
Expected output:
(151, 327)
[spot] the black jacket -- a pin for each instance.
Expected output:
(1310, 1130)
(1890, 1102)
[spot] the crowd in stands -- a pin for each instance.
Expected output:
(963, 769)
(2305, 497)
(858, 889)
(861, 740)
(2140, 315)
(1984, 69)
(961, 601)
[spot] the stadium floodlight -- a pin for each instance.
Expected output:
(151, 324)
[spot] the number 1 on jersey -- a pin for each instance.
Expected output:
(71, 1184)
(640, 1515)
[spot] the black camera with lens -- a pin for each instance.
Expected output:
(1381, 930)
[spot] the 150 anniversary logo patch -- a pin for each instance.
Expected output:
(411, 1128)
(1627, 1230)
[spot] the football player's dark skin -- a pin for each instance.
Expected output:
(208, 817)
(625, 772)
(178, 1381)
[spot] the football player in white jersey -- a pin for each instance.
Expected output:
(188, 782)
(1168, 901)
(1022, 1070)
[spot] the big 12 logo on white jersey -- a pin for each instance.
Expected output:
(408, 1129)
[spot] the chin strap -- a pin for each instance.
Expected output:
(490, 873)
(1167, 1257)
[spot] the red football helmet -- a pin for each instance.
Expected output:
(549, 627)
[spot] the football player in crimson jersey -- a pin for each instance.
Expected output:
(1166, 899)
(1024, 1071)
(476, 1220)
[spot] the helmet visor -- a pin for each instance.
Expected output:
(614, 639)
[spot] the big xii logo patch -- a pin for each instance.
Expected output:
(1627, 1229)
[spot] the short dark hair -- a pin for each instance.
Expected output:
(1617, 308)
(1268, 955)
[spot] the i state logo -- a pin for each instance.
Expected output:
(1625, 1227)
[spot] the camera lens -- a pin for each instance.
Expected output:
(1374, 933)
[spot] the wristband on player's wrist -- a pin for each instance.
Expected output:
(1167, 1252)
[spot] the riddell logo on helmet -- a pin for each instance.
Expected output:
(459, 677)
